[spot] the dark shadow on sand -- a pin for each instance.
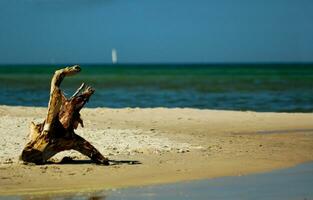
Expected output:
(69, 160)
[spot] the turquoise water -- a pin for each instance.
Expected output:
(282, 88)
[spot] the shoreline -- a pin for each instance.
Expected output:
(174, 145)
(58, 192)
(269, 184)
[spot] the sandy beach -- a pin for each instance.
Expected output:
(172, 144)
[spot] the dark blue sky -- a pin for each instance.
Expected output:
(85, 31)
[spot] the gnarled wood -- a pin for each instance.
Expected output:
(56, 133)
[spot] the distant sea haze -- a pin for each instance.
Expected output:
(266, 88)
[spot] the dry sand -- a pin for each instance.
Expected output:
(172, 144)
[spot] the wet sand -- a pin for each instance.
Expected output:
(172, 144)
(263, 186)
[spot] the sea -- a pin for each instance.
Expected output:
(243, 87)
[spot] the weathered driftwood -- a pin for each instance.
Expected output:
(56, 133)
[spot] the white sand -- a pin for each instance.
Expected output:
(110, 141)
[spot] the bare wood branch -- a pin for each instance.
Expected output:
(56, 133)
(78, 90)
(55, 100)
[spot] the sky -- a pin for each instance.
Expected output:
(155, 31)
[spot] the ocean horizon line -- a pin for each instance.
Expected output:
(165, 64)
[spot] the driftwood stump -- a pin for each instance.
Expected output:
(56, 133)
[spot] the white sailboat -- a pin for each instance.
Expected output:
(114, 56)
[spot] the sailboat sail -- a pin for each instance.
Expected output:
(114, 56)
